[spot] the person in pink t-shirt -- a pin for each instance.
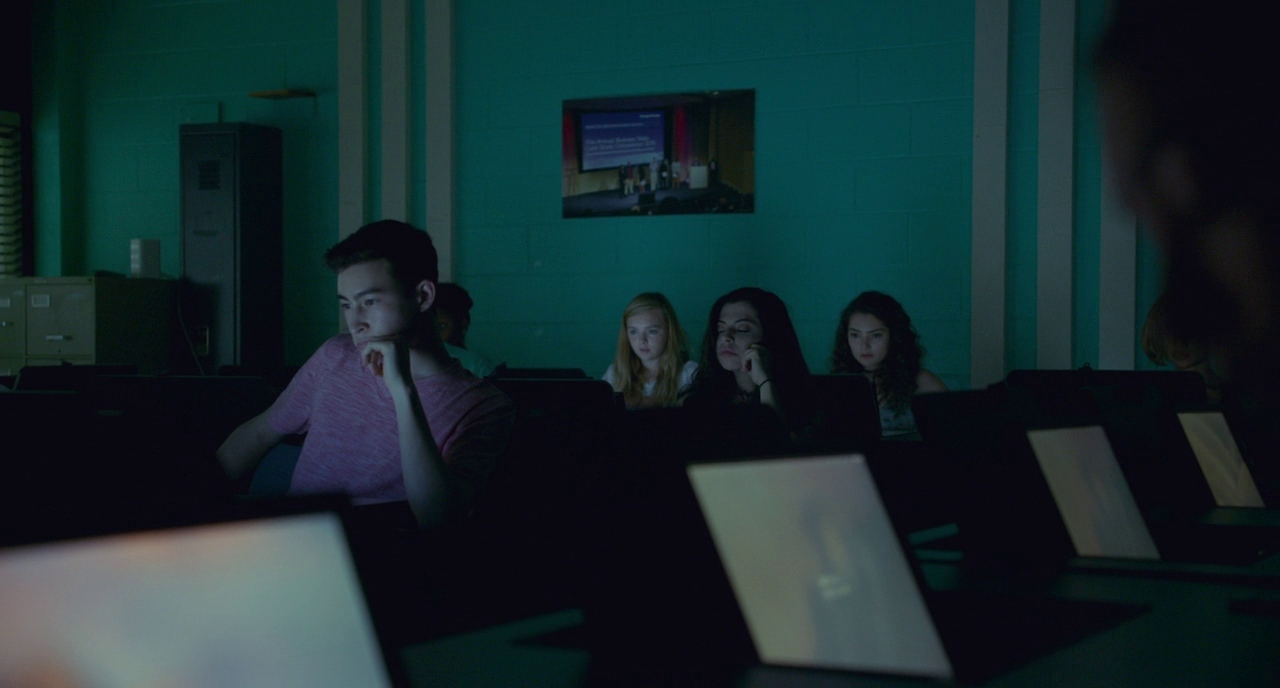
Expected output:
(387, 414)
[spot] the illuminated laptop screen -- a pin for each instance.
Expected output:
(255, 603)
(816, 567)
(1220, 459)
(1091, 493)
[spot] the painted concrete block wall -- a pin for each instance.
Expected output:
(1021, 343)
(862, 149)
(140, 70)
(1024, 84)
(1090, 19)
(864, 119)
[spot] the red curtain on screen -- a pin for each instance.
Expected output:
(680, 132)
(568, 143)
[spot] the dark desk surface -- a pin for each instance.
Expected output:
(1196, 633)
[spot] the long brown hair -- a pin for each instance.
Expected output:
(714, 386)
(896, 376)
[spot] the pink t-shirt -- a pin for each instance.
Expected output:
(352, 444)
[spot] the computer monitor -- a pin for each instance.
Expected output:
(818, 570)
(262, 602)
(1091, 493)
(1220, 460)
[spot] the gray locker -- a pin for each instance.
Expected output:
(232, 263)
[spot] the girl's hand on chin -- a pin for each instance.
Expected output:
(755, 362)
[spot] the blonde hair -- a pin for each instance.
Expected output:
(628, 367)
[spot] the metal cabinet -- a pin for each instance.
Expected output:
(232, 250)
(13, 325)
(105, 319)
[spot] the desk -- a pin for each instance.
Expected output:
(1190, 636)
(495, 657)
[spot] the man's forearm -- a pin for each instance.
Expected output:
(429, 486)
(244, 448)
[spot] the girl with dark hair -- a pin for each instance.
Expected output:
(875, 337)
(651, 366)
(750, 354)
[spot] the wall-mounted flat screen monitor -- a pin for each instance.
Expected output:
(661, 154)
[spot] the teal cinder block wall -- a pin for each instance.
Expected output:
(863, 158)
(1020, 262)
(863, 167)
(113, 83)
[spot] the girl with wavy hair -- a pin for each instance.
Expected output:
(875, 337)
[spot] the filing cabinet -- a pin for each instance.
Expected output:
(104, 319)
(13, 325)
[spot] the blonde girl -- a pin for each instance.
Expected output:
(651, 367)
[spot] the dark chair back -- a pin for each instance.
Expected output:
(1172, 386)
(994, 487)
(198, 411)
(74, 471)
(521, 521)
(505, 373)
(66, 377)
(849, 417)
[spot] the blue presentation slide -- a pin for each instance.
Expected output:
(612, 139)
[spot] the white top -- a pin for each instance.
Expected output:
(686, 378)
(472, 361)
